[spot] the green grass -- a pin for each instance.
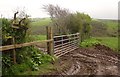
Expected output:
(89, 42)
(38, 37)
(111, 42)
(44, 68)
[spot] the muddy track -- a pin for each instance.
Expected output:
(98, 60)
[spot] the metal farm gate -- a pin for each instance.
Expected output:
(65, 43)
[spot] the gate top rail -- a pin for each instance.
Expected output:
(65, 35)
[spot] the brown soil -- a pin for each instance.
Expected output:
(98, 60)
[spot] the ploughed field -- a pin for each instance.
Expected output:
(97, 60)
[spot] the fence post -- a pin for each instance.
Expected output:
(49, 37)
(14, 52)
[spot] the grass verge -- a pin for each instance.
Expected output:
(44, 68)
(111, 42)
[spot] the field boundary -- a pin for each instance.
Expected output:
(55, 47)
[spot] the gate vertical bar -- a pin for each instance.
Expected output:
(78, 40)
(62, 42)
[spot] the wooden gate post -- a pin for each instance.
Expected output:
(49, 37)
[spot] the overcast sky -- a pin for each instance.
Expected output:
(102, 9)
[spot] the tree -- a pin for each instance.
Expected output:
(74, 23)
(86, 26)
(58, 16)
(79, 22)
(67, 22)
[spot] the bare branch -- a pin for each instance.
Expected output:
(15, 15)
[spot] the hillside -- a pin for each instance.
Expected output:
(38, 25)
(40, 21)
(112, 26)
(102, 27)
(109, 27)
(106, 31)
